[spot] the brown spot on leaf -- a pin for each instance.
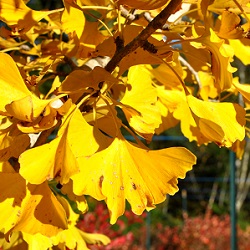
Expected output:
(134, 186)
(100, 181)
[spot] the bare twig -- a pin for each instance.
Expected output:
(139, 41)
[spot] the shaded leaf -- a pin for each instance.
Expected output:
(144, 4)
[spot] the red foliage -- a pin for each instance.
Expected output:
(122, 239)
(209, 232)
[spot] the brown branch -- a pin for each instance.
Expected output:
(139, 41)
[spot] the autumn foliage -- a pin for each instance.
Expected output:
(76, 81)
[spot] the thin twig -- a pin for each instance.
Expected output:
(155, 24)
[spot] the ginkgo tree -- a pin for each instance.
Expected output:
(75, 80)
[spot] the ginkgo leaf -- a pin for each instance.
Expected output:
(31, 209)
(120, 173)
(75, 138)
(73, 237)
(11, 83)
(12, 143)
(37, 241)
(181, 111)
(103, 117)
(222, 123)
(27, 108)
(219, 6)
(207, 88)
(16, 242)
(243, 89)
(241, 49)
(81, 202)
(144, 4)
(230, 26)
(16, 99)
(79, 80)
(221, 56)
(16, 14)
(73, 20)
(89, 40)
(95, 2)
(148, 117)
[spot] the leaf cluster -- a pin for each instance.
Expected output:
(75, 80)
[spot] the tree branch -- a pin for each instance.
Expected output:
(139, 41)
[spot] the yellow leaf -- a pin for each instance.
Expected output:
(221, 56)
(239, 148)
(27, 108)
(144, 4)
(95, 2)
(31, 209)
(91, 238)
(73, 20)
(16, 14)
(241, 49)
(80, 200)
(148, 117)
(36, 166)
(37, 241)
(230, 26)
(73, 237)
(182, 112)
(222, 123)
(219, 6)
(12, 146)
(89, 40)
(16, 242)
(11, 83)
(167, 107)
(207, 88)
(244, 89)
(75, 138)
(79, 80)
(121, 172)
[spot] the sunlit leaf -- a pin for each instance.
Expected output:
(31, 209)
(37, 241)
(75, 138)
(221, 56)
(181, 111)
(73, 20)
(207, 89)
(11, 83)
(73, 237)
(241, 49)
(148, 117)
(222, 123)
(120, 173)
(17, 15)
